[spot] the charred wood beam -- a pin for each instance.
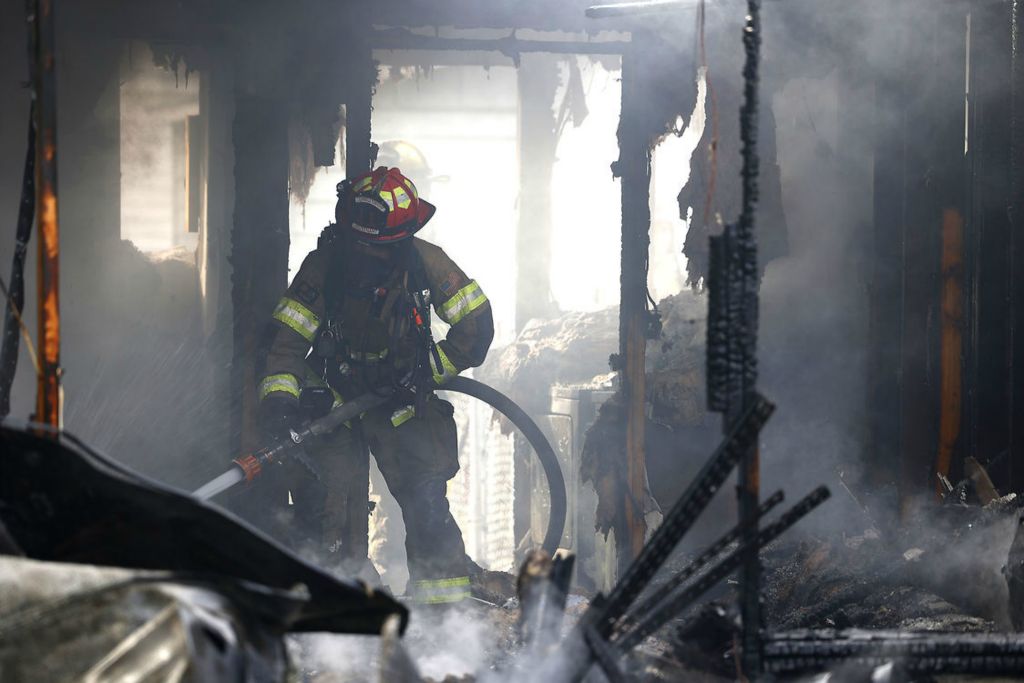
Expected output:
(1016, 301)
(950, 54)
(404, 39)
(733, 311)
(748, 489)
(634, 169)
(358, 110)
(885, 288)
(604, 655)
(684, 597)
(934, 205)
(360, 155)
(913, 653)
(987, 410)
(603, 614)
(398, 57)
(683, 514)
(648, 7)
(538, 80)
(15, 299)
(951, 354)
(259, 245)
(694, 567)
(14, 295)
(634, 9)
(48, 398)
(916, 290)
(565, 15)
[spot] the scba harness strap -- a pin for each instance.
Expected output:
(402, 309)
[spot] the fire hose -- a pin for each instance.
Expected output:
(248, 467)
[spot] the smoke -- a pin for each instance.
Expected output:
(960, 553)
(455, 642)
(450, 641)
(817, 128)
(146, 381)
(334, 657)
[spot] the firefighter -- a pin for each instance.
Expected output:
(356, 318)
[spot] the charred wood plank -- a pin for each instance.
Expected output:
(684, 513)
(916, 653)
(699, 563)
(15, 299)
(682, 599)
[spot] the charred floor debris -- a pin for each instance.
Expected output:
(838, 278)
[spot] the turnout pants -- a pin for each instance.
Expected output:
(417, 456)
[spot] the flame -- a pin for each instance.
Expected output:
(51, 328)
(48, 222)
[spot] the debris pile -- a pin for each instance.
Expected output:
(942, 572)
(679, 433)
(570, 349)
(575, 349)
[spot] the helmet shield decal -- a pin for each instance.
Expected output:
(369, 214)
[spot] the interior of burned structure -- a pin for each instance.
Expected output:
(511, 340)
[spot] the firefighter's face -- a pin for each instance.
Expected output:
(377, 251)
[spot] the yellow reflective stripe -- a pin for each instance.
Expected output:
(363, 184)
(462, 303)
(446, 371)
(439, 591)
(402, 415)
(445, 583)
(401, 198)
(298, 317)
(284, 383)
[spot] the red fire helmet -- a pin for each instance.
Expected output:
(382, 206)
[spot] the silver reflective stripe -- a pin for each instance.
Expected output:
(298, 317)
(285, 383)
(464, 302)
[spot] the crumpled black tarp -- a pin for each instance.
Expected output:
(61, 501)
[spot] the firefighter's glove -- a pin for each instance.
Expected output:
(443, 369)
(279, 416)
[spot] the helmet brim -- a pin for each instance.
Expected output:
(425, 212)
